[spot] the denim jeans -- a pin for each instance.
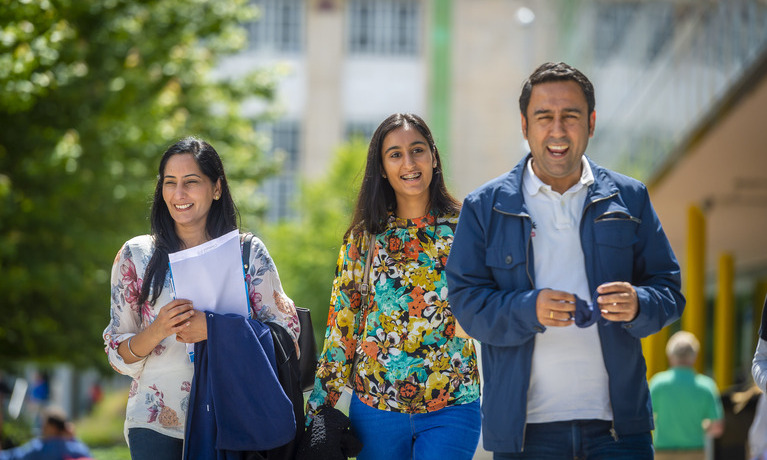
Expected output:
(146, 444)
(580, 440)
(449, 433)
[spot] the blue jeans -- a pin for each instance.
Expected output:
(449, 433)
(580, 440)
(146, 444)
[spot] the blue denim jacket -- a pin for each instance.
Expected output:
(492, 293)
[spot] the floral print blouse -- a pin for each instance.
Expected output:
(410, 360)
(159, 394)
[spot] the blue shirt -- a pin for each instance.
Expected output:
(48, 449)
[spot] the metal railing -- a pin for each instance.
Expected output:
(659, 68)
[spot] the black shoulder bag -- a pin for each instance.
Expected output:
(307, 361)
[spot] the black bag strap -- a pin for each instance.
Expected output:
(247, 242)
(365, 285)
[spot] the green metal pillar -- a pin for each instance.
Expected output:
(440, 78)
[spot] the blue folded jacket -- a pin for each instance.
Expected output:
(237, 404)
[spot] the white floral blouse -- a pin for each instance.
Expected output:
(159, 394)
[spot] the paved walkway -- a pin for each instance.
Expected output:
(481, 453)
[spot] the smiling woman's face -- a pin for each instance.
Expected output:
(408, 163)
(188, 192)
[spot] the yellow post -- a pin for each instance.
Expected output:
(660, 349)
(724, 321)
(654, 348)
(648, 349)
(694, 317)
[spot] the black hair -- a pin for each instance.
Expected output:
(558, 71)
(222, 218)
(376, 197)
(56, 418)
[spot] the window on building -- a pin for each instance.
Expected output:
(281, 189)
(384, 27)
(663, 30)
(279, 27)
(362, 129)
(612, 23)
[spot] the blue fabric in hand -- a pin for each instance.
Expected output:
(586, 314)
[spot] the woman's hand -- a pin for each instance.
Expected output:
(172, 319)
(196, 330)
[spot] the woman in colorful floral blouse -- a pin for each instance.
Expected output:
(148, 332)
(416, 385)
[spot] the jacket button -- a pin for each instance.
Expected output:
(509, 259)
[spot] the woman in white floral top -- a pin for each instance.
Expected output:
(148, 332)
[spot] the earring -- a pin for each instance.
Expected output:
(216, 197)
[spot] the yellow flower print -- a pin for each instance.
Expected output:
(437, 380)
(345, 318)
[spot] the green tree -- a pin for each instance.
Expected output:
(91, 94)
(306, 251)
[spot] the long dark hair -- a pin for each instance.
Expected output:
(223, 216)
(376, 197)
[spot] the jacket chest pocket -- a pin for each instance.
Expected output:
(615, 234)
(508, 264)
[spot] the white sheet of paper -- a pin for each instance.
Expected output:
(211, 276)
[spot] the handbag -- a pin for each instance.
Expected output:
(307, 344)
(364, 289)
(307, 362)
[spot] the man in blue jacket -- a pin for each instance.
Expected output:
(558, 268)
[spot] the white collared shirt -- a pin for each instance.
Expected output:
(569, 380)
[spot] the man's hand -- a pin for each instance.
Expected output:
(196, 331)
(618, 301)
(555, 308)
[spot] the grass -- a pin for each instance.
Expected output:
(111, 453)
(102, 429)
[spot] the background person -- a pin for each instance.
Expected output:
(759, 363)
(686, 405)
(563, 378)
(757, 434)
(416, 387)
(56, 442)
(147, 335)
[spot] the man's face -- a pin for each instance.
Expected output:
(558, 128)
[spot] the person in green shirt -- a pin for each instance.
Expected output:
(686, 405)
